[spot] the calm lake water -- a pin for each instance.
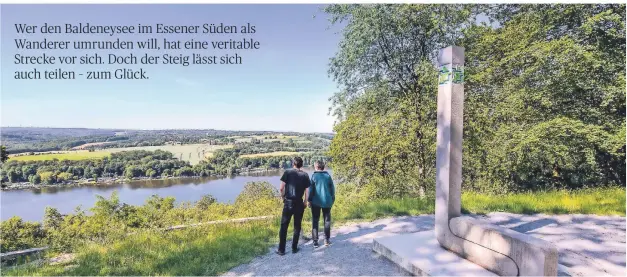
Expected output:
(30, 204)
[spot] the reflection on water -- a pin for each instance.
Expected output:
(30, 204)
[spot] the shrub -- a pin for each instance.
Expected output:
(18, 235)
(64, 176)
(205, 202)
(47, 177)
(255, 191)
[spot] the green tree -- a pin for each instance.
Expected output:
(151, 172)
(545, 98)
(34, 179)
(205, 201)
(386, 105)
(132, 171)
(47, 177)
(18, 235)
(4, 156)
(64, 176)
(545, 101)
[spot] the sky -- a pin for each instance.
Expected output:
(283, 86)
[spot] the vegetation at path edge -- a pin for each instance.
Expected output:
(211, 250)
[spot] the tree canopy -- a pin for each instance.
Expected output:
(545, 95)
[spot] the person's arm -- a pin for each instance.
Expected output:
(282, 190)
(312, 187)
(332, 189)
(306, 201)
(283, 181)
(307, 192)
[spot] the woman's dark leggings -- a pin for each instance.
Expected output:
(315, 214)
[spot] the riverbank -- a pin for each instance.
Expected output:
(108, 181)
(103, 181)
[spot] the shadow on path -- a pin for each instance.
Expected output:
(587, 245)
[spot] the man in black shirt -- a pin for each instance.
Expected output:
(294, 184)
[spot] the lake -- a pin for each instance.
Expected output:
(30, 204)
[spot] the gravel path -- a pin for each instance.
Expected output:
(588, 245)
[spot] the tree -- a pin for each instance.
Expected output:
(47, 177)
(205, 201)
(64, 176)
(4, 156)
(34, 179)
(545, 102)
(151, 172)
(387, 98)
(545, 97)
(132, 171)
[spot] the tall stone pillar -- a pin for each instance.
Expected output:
(497, 249)
(449, 169)
(449, 137)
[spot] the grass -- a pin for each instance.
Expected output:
(212, 250)
(271, 154)
(599, 201)
(602, 201)
(69, 155)
(207, 251)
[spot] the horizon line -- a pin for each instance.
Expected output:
(169, 129)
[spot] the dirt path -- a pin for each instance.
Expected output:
(588, 245)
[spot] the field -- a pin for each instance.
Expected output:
(65, 155)
(193, 153)
(82, 147)
(270, 138)
(271, 154)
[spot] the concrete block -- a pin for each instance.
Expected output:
(421, 255)
(532, 256)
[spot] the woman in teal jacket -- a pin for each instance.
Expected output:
(321, 197)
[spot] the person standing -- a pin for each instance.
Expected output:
(294, 184)
(321, 197)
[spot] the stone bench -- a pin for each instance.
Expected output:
(503, 251)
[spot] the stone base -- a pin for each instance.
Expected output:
(421, 255)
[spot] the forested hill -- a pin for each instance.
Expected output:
(35, 139)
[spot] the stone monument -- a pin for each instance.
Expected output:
(499, 250)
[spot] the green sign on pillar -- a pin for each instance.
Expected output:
(445, 75)
(455, 74)
(458, 74)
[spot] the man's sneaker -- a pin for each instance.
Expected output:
(280, 253)
(327, 242)
(295, 250)
(315, 244)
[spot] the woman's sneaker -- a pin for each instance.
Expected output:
(315, 244)
(327, 242)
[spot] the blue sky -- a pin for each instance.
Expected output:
(283, 86)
